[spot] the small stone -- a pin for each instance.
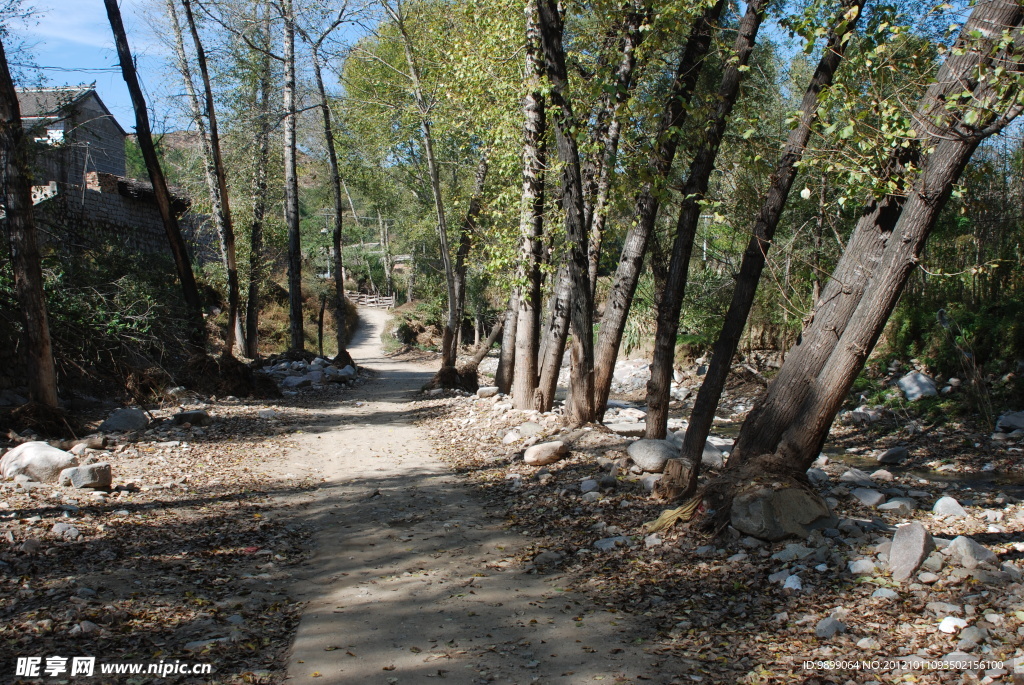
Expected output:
(894, 455)
(268, 414)
(88, 627)
(829, 627)
(705, 551)
(545, 453)
(96, 475)
(927, 578)
(793, 583)
(911, 544)
(608, 544)
(900, 506)
(651, 455)
(589, 485)
(857, 477)
(916, 385)
(861, 567)
(947, 506)
(951, 624)
(650, 480)
(868, 497)
(591, 496)
(31, 546)
(970, 554)
(868, 643)
(546, 559)
(792, 552)
(487, 391)
(944, 608)
(124, 420)
(652, 540)
(885, 593)
(778, 577)
(817, 476)
(736, 558)
(882, 475)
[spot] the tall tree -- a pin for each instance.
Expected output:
(197, 331)
(205, 117)
(872, 257)
(531, 221)
(694, 190)
(761, 234)
(291, 184)
(580, 407)
(16, 186)
(648, 202)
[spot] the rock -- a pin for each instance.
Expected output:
(705, 551)
(712, 458)
(589, 485)
(1011, 421)
(951, 624)
(36, 460)
(969, 553)
(817, 476)
(971, 637)
(296, 382)
(608, 544)
(885, 593)
(268, 414)
(916, 385)
(793, 583)
(944, 608)
(868, 497)
(96, 476)
(869, 643)
(901, 506)
(546, 559)
(196, 417)
(652, 540)
(774, 514)
(545, 453)
(649, 480)
(927, 578)
(651, 455)
(862, 567)
(511, 437)
(828, 628)
(66, 531)
(634, 430)
(530, 429)
(607, 480)
(882, 475)
(947, 506)
(124, 420)
(487, 391)
(857, 477)
(894, 455)
(31, 546)
(911, 544)
(792, 552)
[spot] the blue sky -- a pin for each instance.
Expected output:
(73, 39)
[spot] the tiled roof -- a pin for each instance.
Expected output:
(47, 102)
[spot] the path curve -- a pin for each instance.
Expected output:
(413, 579)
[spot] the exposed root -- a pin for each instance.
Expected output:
(450, 378)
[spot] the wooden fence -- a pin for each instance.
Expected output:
(365, 300)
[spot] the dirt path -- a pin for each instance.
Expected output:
(412, 578)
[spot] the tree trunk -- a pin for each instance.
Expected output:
(780, 407)
(332, 158)
(627, 274)
(763, 231)
(531, 222)
(693, 193)
(297, 338)
(554, 343)
(487, 344)
(636, 17)
(462, 253)
(193, 303)
(216, 180)
(580, 406)
(16, 184)
(423, 108)
(507, 357)
(259, 206)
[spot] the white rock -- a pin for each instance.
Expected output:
(37, 460)
(952, 624)
(545, 453)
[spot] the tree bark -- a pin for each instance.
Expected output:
(694, 190)
(531, 222)
(554, 342)
(763, 231)
(16, 183)
(259, 205)
(297, 337)
(781, 405)
(507, 357)
(193, 303)
(648, 202)
(580, 406)
(216, 176)
(423, 108)
(462, 252)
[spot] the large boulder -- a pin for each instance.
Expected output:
(125, 420)
(911, 545)
(651, 455)
(916, 385)
(712, 458)
(775, 514)
(37, 460)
